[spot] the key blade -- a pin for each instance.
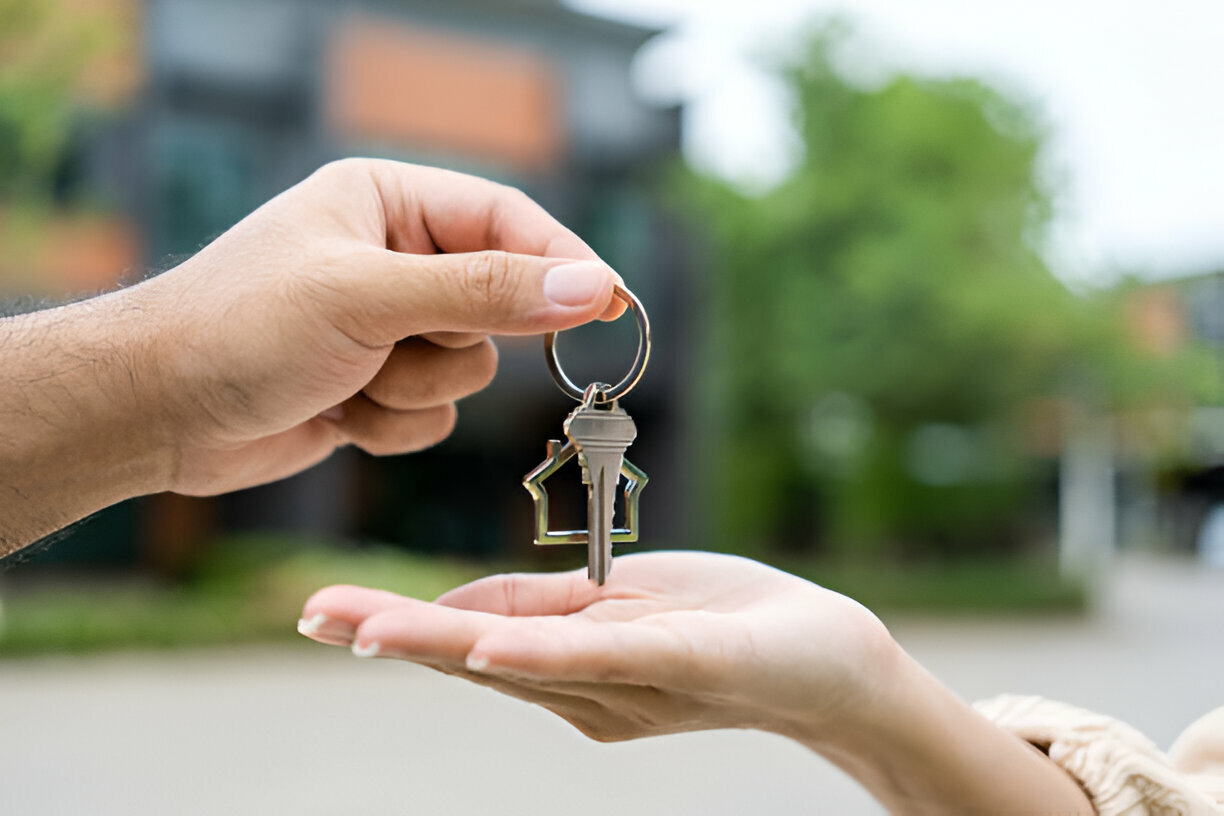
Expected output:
(601, 437)
(604, 470)
(599, 524)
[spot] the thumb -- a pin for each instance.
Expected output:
(400, 294)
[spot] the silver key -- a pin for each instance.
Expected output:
(600, 435)
(558, 454)
(599, 431)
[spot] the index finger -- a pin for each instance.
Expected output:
(428, 210)
(525, 594)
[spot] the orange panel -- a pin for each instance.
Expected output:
(89, 254)
(1157, 321)
(66, 253)
(394, 84)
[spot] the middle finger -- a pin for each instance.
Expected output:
(420, 374)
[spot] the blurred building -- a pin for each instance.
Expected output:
(1158, 478)
(1151, 476)
(227, 102)
(1190, 495)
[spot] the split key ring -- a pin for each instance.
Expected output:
(614, 392)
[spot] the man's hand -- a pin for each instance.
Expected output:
(353, 308)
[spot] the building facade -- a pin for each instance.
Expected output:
(236, 100)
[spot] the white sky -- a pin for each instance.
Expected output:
(1133, 93)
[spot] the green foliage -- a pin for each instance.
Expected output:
(884, 316)
(251, 589)
(1003, 587)
(245, 589)
(45, 52)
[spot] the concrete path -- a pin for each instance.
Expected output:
(311, 730)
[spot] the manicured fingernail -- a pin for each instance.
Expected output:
(329, 630)
(477, 664)
(334, 413)
(369, 650)
(576, 284)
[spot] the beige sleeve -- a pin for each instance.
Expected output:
(1122, 772)
(1199, 753)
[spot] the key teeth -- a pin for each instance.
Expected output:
(599, 566)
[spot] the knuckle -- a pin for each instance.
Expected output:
(602, 732)
(509, 593)
(340, 168)
(447, 416)
(485, 364)
(401, 387)
(380, 392)
(489, 280)
(346, 177)
(421, 430)
(516, 196)
(588, 729)
(375, 446)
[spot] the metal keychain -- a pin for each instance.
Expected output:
(599, 431)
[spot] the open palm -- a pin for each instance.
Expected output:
(672, 642)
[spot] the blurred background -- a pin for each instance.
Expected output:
(938, 300)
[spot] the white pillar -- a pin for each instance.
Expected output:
(1087, 504)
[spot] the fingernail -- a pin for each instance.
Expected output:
(369, 650)
(334, 413)
(328, 630)
(477, 664)
(576, 284)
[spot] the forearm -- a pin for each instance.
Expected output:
(77, 432)
(921, 750)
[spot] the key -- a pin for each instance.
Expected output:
(601, 435)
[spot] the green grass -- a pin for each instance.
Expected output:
(252, 589)
(246, 590)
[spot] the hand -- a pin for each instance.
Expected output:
(689, 641)
(352, 308)
(672, 642)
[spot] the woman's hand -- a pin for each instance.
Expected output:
(672, 642)
(690, 641)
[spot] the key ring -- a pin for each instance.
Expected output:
(614, 392)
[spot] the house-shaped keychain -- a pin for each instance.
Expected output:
(558, 455)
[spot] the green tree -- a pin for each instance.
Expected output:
(45, 55)
(50, 53)
(883, 318)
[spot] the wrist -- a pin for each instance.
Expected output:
(920, 749)
(862, 716)
(122, 422)
(130, 339)
(78, 424)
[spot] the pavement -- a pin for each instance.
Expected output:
(311, 730)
